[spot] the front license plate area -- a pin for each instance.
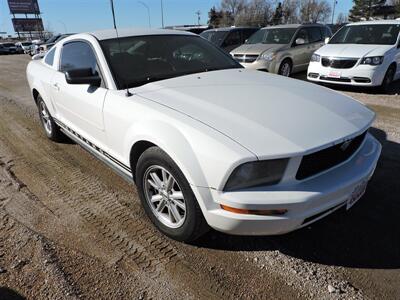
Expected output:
(334, 74)
(357, 193)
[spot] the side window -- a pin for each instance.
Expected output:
(247, 33)
(233, 38)
(302, 34)
(49, 59)
(78, 55)
(314, 34)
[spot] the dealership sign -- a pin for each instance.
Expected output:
(23, 6)
(27, 25)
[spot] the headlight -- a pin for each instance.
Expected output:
(256, 173)
(268, 56)
(316, 57)
(373, 60)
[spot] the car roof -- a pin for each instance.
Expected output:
(295, 25)
(127, 32)
(230, 28)
(375, 22)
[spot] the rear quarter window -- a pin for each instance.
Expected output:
(49, 59)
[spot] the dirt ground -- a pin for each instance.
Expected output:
(70, 228)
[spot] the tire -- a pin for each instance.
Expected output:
(169, 204)
(285, 69)
(388, 79)
(51, 129)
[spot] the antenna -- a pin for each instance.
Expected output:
(128, 93)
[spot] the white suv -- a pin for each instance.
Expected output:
(363, 54)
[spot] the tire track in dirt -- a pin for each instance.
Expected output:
(110, 222)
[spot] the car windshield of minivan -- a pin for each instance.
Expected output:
(272, 36)
(373, 34)
(215, 37)
(138, 60)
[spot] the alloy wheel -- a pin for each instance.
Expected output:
(164, 196)
(45, 116)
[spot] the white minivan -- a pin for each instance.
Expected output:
(362, 54)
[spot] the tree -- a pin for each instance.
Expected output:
(233, 7)
(290, 11)
(341, 19)
(255, 13)
(214, 17)
(314, 11)
(362, 9)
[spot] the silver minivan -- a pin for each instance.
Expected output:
(282, 49)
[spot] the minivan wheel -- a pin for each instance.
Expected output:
(285, 69)
(388, 79)
(51, 129)
(167, 197)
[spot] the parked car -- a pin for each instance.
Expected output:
(363, 54)
(24, 47)
(283, 49)
(205, 140)
(228, 38)
(44, 47)
(7, 48)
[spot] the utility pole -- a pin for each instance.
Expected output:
(148, 11)
(162, 14)
(198, 13)
(333, 10)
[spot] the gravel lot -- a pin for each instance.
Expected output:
(70, 228)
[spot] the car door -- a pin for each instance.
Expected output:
(80, 106)
(300, 53)
(316, 40)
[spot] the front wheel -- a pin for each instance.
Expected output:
(167, 197)
(285, 69)
(51, 129)
(388, 79)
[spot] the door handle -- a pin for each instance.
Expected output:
(56, 86)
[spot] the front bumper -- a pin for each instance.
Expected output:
(262, 65)
(306, 201)
(359, 75)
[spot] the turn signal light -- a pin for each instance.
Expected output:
(268, 212)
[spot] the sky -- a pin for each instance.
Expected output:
(73, 16)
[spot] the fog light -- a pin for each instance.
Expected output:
(266, 212)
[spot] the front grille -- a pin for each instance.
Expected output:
(325, 159)
(339, 63)
(245, 58)
(341, 79)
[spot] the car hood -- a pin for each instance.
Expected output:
(269, 115)
(353, 50)
(257, 49)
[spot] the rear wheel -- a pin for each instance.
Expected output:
(51, 129)
(167, 197)
(285, 69)
(388, 79)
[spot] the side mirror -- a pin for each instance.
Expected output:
(300, 41)
(82, 76)
(327, 39)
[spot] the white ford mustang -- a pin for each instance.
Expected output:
(206, 141)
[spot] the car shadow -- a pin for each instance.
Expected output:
(394, 88)
(367, 236)
(9, 294)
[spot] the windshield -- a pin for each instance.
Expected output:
(215, 37)
(144, 59)
(385, 34)
(8, 45)
(272, 36)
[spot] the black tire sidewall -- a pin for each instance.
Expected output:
(385, 85)
(281, 65)
(190, 229)
(55, 135)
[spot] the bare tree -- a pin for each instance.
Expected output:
(341, 19)
(314, 11)
(290, 11)
(233, 7)
(255, 13)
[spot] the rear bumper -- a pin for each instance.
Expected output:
(360, 75)
(306, 201)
